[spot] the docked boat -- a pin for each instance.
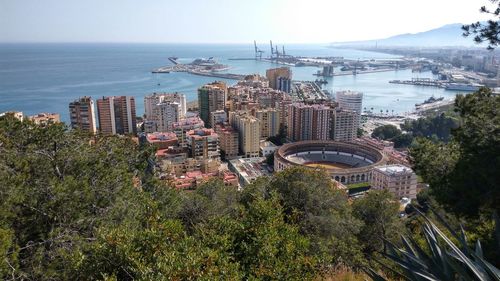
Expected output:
(429, 101)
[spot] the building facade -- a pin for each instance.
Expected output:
(211, 97)
(309, 122)
(343, 125)
(350, 100)
(248, 132)
(165, 114)
(274, 75)
(150, 102)
(203, 143)
(82, 115)
(228, 140)
(117, 115)
(269, 122)
(44, 119)
(397, 179)
(218, 117)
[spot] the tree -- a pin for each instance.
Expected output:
(379, 212)
(463, 174)
(486, 32)
(386, 132)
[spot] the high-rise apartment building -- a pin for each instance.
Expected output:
(165, 114)
(397, 179)
(350, 100)
(82, 116)
(211, 97)
(248, 132)
(185, 125)
(269, 122)
(274, 75)
(218, 117)
(151, 101)
(309, 122)
(228, 140)
(203, 143)
(117, 115)
(343, 125)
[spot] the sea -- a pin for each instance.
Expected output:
(46, 77)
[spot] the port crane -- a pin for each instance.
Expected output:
(258, 52)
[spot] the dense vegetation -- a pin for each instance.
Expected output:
(77, 207)
(437, 128)
(80, 207)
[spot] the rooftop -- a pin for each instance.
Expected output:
(394, 169)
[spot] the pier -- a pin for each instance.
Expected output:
(421, 82)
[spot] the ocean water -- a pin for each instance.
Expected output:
(46, 77)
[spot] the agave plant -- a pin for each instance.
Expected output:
(442, 260)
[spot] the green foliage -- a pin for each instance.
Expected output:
(379, 212)
(439, 259)
(468, 166)
(438, 127)
(386, 132)
(486, 32)
(280, 138)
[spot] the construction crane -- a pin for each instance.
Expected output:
(258, 52)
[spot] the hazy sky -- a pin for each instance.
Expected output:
(225, 21)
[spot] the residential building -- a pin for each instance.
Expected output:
(151, 101)
(45, 118)
(203, 143)
(117, 115)
(343, 125)
(165, 114)
(185, 125)
(162, 140)
(398, 179)
(217, 117)
(267, 148)
(228, 140)
(350, 100)
(82, 115)
(248, 132)
(211, 97)
(269, 122)
(309, 122)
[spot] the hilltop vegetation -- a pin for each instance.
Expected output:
(81, 207)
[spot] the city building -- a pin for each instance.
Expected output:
(267, 148)
(185, 125)
(397, 179)
(350, 100)
(16, 114)
(248, 132)
(117, 115)
(150, 102)
(82, 115)
(45, 118)
(162, 140)
(211, 97)
(274, 75)
(269, 122)
(203, 143)
(249, 169)
(228, 140)
(217, 117)
(165, 114)
(309, 122)
(343, 125)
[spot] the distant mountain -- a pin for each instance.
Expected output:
(448, 35)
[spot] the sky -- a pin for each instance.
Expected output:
(226, 21)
